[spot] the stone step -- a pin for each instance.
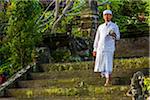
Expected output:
(48, 83)
(83, 90)
(7, 98)
(100, 97)
(62, 74)
(69, 82)
(72, 82)
(75, 81)
(107, 97)
(120, 66)
(67, 66)
(118, 73)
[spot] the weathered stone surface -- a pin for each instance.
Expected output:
(119, 64)
(72, 81)
(132, 47)
(136, 87)
(54, 91)
(13, 78)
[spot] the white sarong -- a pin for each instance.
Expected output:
(104, 62)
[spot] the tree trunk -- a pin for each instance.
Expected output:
(62, 15)
(56, 9)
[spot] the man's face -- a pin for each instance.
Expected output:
(107, 17)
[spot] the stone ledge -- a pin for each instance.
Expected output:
(13, 79)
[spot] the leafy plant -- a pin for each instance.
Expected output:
(147, 84)
(61, 55)
(5, 69)
(126, 13)
(22, 34)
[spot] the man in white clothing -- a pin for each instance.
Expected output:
(104, 46)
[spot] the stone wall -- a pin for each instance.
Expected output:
(132, 47)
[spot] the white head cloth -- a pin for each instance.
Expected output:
(107, 12)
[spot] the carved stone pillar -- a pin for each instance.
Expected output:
(89, 19)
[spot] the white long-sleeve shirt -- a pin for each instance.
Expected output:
(103, 41)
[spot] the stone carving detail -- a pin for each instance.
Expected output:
(136, 86)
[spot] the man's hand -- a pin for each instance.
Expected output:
(113, 34)
(94, 53)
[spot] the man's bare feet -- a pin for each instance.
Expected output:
(108, 82)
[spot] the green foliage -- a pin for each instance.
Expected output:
(126, 13)
(3, 22)
(147, 84)
(22, 33)
(74, 92)
(61, 55)
(7, 69)
(148, 10)
(102, 90)
(132, 63)
(29, 93)
(76, 31)
(64, 55)
(61, 91)
(68, 21)
(47, 22)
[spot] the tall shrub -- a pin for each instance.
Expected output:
(22, 33)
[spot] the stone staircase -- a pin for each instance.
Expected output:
(71, 81)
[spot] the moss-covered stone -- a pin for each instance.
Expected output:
(67, 66)
(74, 91)
(77, 81)
(142, 62)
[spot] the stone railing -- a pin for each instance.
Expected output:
(13, 79)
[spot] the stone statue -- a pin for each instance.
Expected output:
(136, 87)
